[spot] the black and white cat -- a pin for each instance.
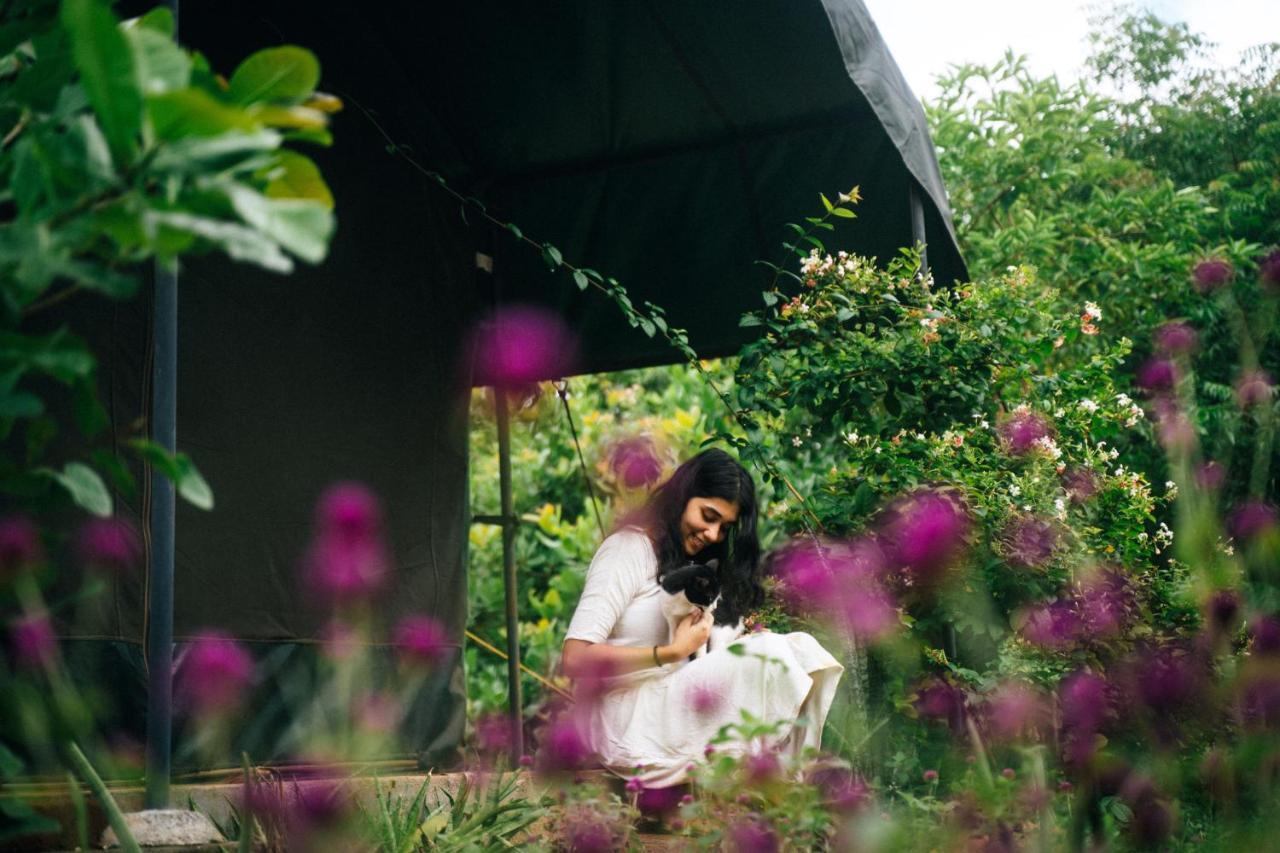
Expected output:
(696, 586)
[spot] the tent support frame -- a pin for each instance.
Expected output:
(509, 522)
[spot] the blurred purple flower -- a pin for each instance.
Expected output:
(807, 579)
(930, 776)
(760, 768)
(1259, 690)
(1022, 429)
(1014, 709)
(339, 640)
(377, 712)
(564, 748)
(593, 681)
(1029, 542)
(753, 835)
(869, 612)
(421, 641)
(1265, 631)
(1254, 388)
(1085, 701)
(32, 641)
(1224, 611)
(1173, 427)
(109, 543)
(493, 734)
(1080, 484)
(1158, 375)
(842, 789)
(1269, 271)
(1210, 476)
(214, 674)
(1212, 274)
(925, 532)
(659, 802)
(1174, 339)
(584, 830)
(1165, 679)
(521, 344)
(1053, 624)
(635, 462)
(347, 559)
(19, 545)
(706, 699)
(1104, 603)
(634, 785)
(1251, 520)
(1152, 821)
(1008, 773)
(938, 700)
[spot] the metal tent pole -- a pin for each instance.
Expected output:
(917, 228)
(514, 703)
(164, 416)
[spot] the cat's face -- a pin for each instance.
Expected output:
(697, 582)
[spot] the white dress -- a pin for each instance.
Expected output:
(661, 719)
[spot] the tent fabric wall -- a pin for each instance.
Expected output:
(663, 142)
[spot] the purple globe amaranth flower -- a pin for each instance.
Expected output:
(925, 532)
(806, 575)
(32, 641)
(109, 543)
(929, 775)
(659, 802)
(214, 674)
(19, 545)
(1165, 679)
(1223, 611)
(1210, 476)
(1254, 388)
(938, 700)
(1173, 427)
(760, 768)
(869, 612)
(1014, 710)
(1080, 484)
(1052, 625)
(1175, 339)
(1252, 520)
(521, 344)
(842, 789)
(1269, 271)
(347, 560)
(564, 748)
(635, 462)
(753, 835)
(585, 831)
(1029, 542)
(1212, 274)
(1158, 375)
(1085, 701)
(706, 699)
(634, 785)
(1022, 429)
(422, 641)
(1265, 632)
(1105, 603)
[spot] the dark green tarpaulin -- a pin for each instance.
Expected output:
(664, 142)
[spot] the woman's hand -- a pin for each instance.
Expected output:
(692, 633)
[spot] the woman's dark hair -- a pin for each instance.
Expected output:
(711, 474)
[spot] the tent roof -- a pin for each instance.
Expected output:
(662, 142)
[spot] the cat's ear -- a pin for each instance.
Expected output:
(713, 563)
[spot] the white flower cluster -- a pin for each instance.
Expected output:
(1132, 411)
(1049, 447)
(1092, 311)
(1170, 489)
(843, 264)
(1088, 405)
(1164, 537)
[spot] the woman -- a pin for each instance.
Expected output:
(656, 710)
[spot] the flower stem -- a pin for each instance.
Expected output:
(115, 817)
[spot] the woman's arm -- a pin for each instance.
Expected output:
(582, 658)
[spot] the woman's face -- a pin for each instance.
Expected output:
(704, 522)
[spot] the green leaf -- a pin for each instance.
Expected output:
(84, 485)
(108, 73)
(295, 176)
(647, 327)
(302, 227)
(844, 213)
(20, 404)
(162, 65)
(551, 255)
(580, 278)
(178, 468)
(238, 241)
(192, 112)
(826, 202)
(770, 297)
(198, 155)
(515, 229)
(287, 74)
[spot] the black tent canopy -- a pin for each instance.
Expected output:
(662, 142)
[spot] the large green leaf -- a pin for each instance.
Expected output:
(285, 74)
(241, 243)
(302, 227)
(296, 176)
(84, 485)
(163, 66)
(108, 73)
(192, 112)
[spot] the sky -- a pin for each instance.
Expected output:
(925, 36)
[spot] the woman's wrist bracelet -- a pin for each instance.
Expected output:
(656, 661)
